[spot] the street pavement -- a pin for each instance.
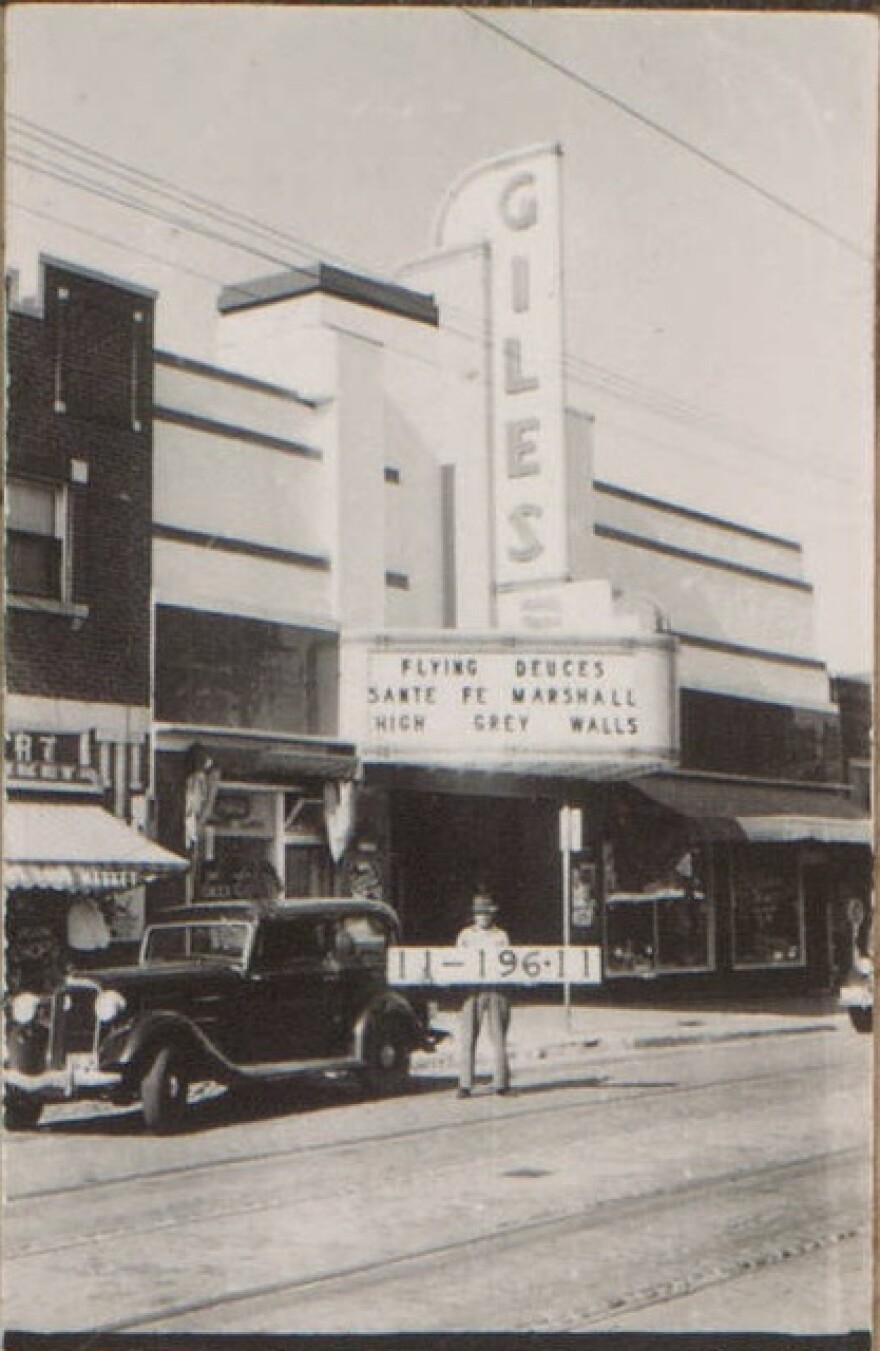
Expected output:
(540, 1031)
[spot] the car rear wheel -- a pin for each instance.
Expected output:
(164, 1091)
(862, 1019)
(20, 1112)
(387, 1059)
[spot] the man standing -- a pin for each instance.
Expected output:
(486, 1002)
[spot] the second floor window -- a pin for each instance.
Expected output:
(36, 539)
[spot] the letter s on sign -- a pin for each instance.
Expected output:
(519, 214)
(530, 547)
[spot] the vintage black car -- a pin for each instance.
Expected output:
(230, 992)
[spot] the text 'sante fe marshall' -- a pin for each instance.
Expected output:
(232, 992)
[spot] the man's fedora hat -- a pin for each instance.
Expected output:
(484, 905)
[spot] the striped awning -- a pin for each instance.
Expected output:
(59, 846)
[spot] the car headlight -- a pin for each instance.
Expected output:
(864, 966)
(108, 1005)
(24, 1007)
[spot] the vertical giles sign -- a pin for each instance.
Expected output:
(512, 203)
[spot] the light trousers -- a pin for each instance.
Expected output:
(495, 1008)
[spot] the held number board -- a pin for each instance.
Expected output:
(502, 966)
(484, 698)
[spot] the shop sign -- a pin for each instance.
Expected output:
(480, 699)
(51, 757)
(513, 204)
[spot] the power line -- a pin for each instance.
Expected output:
(165, 187)
(123, 244)
(615, 383)
(680, 141)
(38, 165)
(627, 433)
(657, 401)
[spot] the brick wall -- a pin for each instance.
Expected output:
(80, 397)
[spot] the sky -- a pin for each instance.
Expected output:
(719, 178)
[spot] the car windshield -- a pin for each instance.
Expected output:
(220, 941)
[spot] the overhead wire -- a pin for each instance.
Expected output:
(164, 187)
(586, 373)
(657, 401)
(690, 147)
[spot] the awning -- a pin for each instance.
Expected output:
(737, 809)
(61, 846)
(255, 756)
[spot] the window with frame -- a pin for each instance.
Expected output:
(768, 911)
(36, 539)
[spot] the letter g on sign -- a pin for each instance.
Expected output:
(518, 209)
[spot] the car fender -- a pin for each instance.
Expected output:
(389, 1006)
(129, 1048)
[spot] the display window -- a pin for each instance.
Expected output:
(768, 910)
(265, 843)
(667, 923)
(630, 935)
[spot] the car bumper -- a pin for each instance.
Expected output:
(74, 1080)
(856, 997)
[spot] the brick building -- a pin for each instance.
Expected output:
(78, 607)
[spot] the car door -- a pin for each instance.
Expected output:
(358, 945)
(288, 980)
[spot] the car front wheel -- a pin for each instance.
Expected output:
(387, 1059)
(20, 1112)
(164, 1091)
(862, 1019)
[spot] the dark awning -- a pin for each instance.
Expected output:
(263, 756)
(60, 846)
(738, 809)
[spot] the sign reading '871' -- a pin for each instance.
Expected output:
(498, 966)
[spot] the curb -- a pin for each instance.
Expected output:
(523, 1055)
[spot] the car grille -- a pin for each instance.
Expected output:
(74, 1023)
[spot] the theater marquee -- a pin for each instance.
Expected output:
(483, 700)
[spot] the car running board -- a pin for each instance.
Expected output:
(275, 1070)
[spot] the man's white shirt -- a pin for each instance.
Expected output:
(486, 939)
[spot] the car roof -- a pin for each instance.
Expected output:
(336, 907)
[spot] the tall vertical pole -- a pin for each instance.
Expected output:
(566, 910)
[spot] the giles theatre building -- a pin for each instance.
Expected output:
(405, 641)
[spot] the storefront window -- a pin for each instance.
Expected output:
(227, 671)
(666, 924)
(630, 938)
(768, 918)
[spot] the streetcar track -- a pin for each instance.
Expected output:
(392, 1137)
(670, 1290)
(610, 1210)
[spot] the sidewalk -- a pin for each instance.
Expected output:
(543, 1031)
